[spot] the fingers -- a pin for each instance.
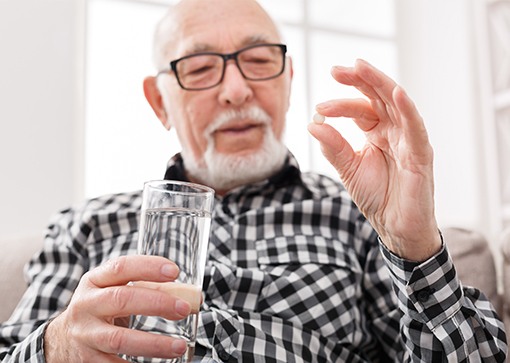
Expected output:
(387, 112)
(358, 109)
(374, 84)
(349, 77)
(191, 294)
(379, 82)
(124, 269)
(416, 130)
(334, 147)
(103, 295)
(96, 341)
(119, 301)
(115, 340)
(387, 101)
(369, 80)
(105, 292)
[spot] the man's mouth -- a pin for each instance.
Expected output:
(239, 128)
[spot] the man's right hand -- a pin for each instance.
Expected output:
(85, 330)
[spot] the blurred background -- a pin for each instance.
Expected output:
(74, 122)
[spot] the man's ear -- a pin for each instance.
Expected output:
(291, 76)
(153, 96)
(290, 65)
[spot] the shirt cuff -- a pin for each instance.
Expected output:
(428, 291)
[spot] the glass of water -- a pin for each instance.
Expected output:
(175, 223)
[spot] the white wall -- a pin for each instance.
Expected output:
(438, 68)
(38, 113)
(41, 155)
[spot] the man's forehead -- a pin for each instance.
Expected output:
(196, 45)
(192, 29)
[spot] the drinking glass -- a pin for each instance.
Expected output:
(175, 223)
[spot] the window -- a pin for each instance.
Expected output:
(125, 143)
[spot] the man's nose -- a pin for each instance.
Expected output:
(235, 89)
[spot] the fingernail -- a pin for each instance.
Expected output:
(322, 105)
(338, 67)
(179, 346)
(360, 61)
(169, 270)
(183, 308)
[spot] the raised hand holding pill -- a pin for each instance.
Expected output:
(391, 177)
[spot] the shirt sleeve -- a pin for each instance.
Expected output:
(52, 274)
(442, 320)
(77, 240)
(29, 350)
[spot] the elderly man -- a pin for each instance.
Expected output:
(296, 272)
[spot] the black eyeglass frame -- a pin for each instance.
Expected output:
(227, 57)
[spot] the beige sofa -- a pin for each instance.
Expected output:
(15, 253)
(470, 252)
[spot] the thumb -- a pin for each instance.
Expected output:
(333, 145)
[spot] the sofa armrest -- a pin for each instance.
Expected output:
(474, 262)
(16, 252)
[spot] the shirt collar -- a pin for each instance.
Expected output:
(289, 174)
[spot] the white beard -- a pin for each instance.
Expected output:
(223, 171)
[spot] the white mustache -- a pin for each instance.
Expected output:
(253, 113)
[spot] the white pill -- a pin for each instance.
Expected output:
(319, 119)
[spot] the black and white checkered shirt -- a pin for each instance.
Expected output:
(295, 274)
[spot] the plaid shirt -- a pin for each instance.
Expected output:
(295, 274)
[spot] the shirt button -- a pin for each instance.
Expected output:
(224, 356)
(424, 295)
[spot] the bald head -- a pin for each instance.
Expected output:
(179, 32)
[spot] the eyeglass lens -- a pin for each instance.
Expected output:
(206, 70)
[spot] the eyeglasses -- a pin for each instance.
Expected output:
(201, 71)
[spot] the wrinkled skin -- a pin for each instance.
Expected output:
(391, 177)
